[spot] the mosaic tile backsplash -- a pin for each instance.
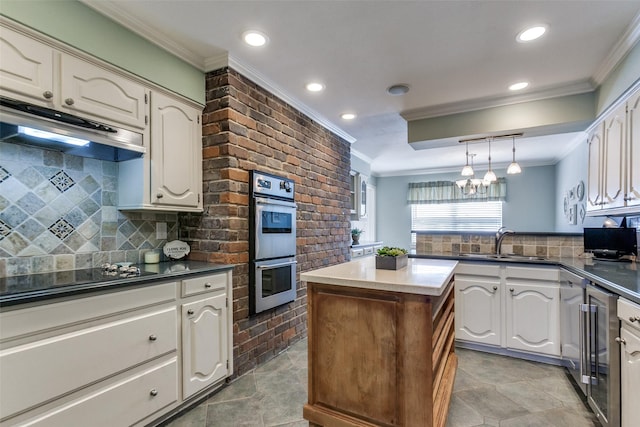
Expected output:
(519, 244)
(58, 212)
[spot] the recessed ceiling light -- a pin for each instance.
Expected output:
(531, 33)
(314, 87)
(519, 86)
(348, 116)
(254, 38)
(399, 89)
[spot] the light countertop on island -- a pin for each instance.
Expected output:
(420, 276)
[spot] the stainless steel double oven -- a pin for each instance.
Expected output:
(272, 242)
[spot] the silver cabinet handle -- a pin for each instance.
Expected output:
(634, 319)
(190, 312)
(621, 341)
(48, 94)
(69, 101)
(511, 290)
(159, 195)
(207, 285)
(153, 392)
(495, 289)
(152, 337)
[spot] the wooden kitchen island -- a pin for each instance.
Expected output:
(381, 349)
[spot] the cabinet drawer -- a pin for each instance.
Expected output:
(357, 252)
(37, 372)
(198, 285)
(534, 273)
(628, 311)
(28, 321)
(121, 404)
(478, 269)
(368, 251)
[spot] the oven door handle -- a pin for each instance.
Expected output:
(264, 201)
(282, 264)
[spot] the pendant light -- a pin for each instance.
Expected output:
(490, 176)
(514, 167)
(467, 170)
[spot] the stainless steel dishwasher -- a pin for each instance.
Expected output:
(589, 326)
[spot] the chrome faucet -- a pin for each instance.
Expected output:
(500, 235)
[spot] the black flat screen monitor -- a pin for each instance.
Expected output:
(623, 241)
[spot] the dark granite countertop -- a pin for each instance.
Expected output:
(619, 277)
(42, 286)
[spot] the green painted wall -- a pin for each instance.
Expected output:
(80, 26)
(626, 73)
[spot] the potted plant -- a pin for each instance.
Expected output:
(355, 235)
(389, 258)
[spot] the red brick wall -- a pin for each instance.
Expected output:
(245, 128)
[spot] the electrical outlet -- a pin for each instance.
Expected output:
(161, 230)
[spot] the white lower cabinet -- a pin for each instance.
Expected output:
(478, 305)
(629, 315)
(205, 359)
(509, 306)
(118, 358)
(533, 318)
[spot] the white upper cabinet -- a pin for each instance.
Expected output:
(594, 189)
(176, 153)
(26, 69)
(89, 90)
(614, 155)
(632, 196)
(613, 161)
(37, 73)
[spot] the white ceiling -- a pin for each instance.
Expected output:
(449, 52)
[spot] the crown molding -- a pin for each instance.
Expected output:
(619, 51)
(212, 63)
(361, 156)
(432, 171)
(574, 88)
(112, 12)
(262, 81)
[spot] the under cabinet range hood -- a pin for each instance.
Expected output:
(24, 123)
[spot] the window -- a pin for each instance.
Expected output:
(456, 217)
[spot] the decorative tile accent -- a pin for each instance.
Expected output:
(61, 228)
(4, 174)
(4, 230)
(62, 181)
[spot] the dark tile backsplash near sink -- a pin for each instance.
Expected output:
(522, 244)
(58, 212)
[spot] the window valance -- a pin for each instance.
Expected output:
(449, 192)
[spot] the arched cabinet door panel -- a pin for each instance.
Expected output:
(176, 153)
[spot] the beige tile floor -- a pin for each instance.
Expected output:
(490, 390)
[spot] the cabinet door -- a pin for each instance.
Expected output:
(630, 376)
(478, 309)
(613, 152)
(176, 153)
(26, 69)
(88, 90)
(204, 343)
(633, 150)
(532, 317)
(594, 189)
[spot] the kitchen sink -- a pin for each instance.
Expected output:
(505, 257)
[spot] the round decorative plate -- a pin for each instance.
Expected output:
(176, 249)
(580, 191)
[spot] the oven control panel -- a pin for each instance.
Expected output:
(268, 185)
